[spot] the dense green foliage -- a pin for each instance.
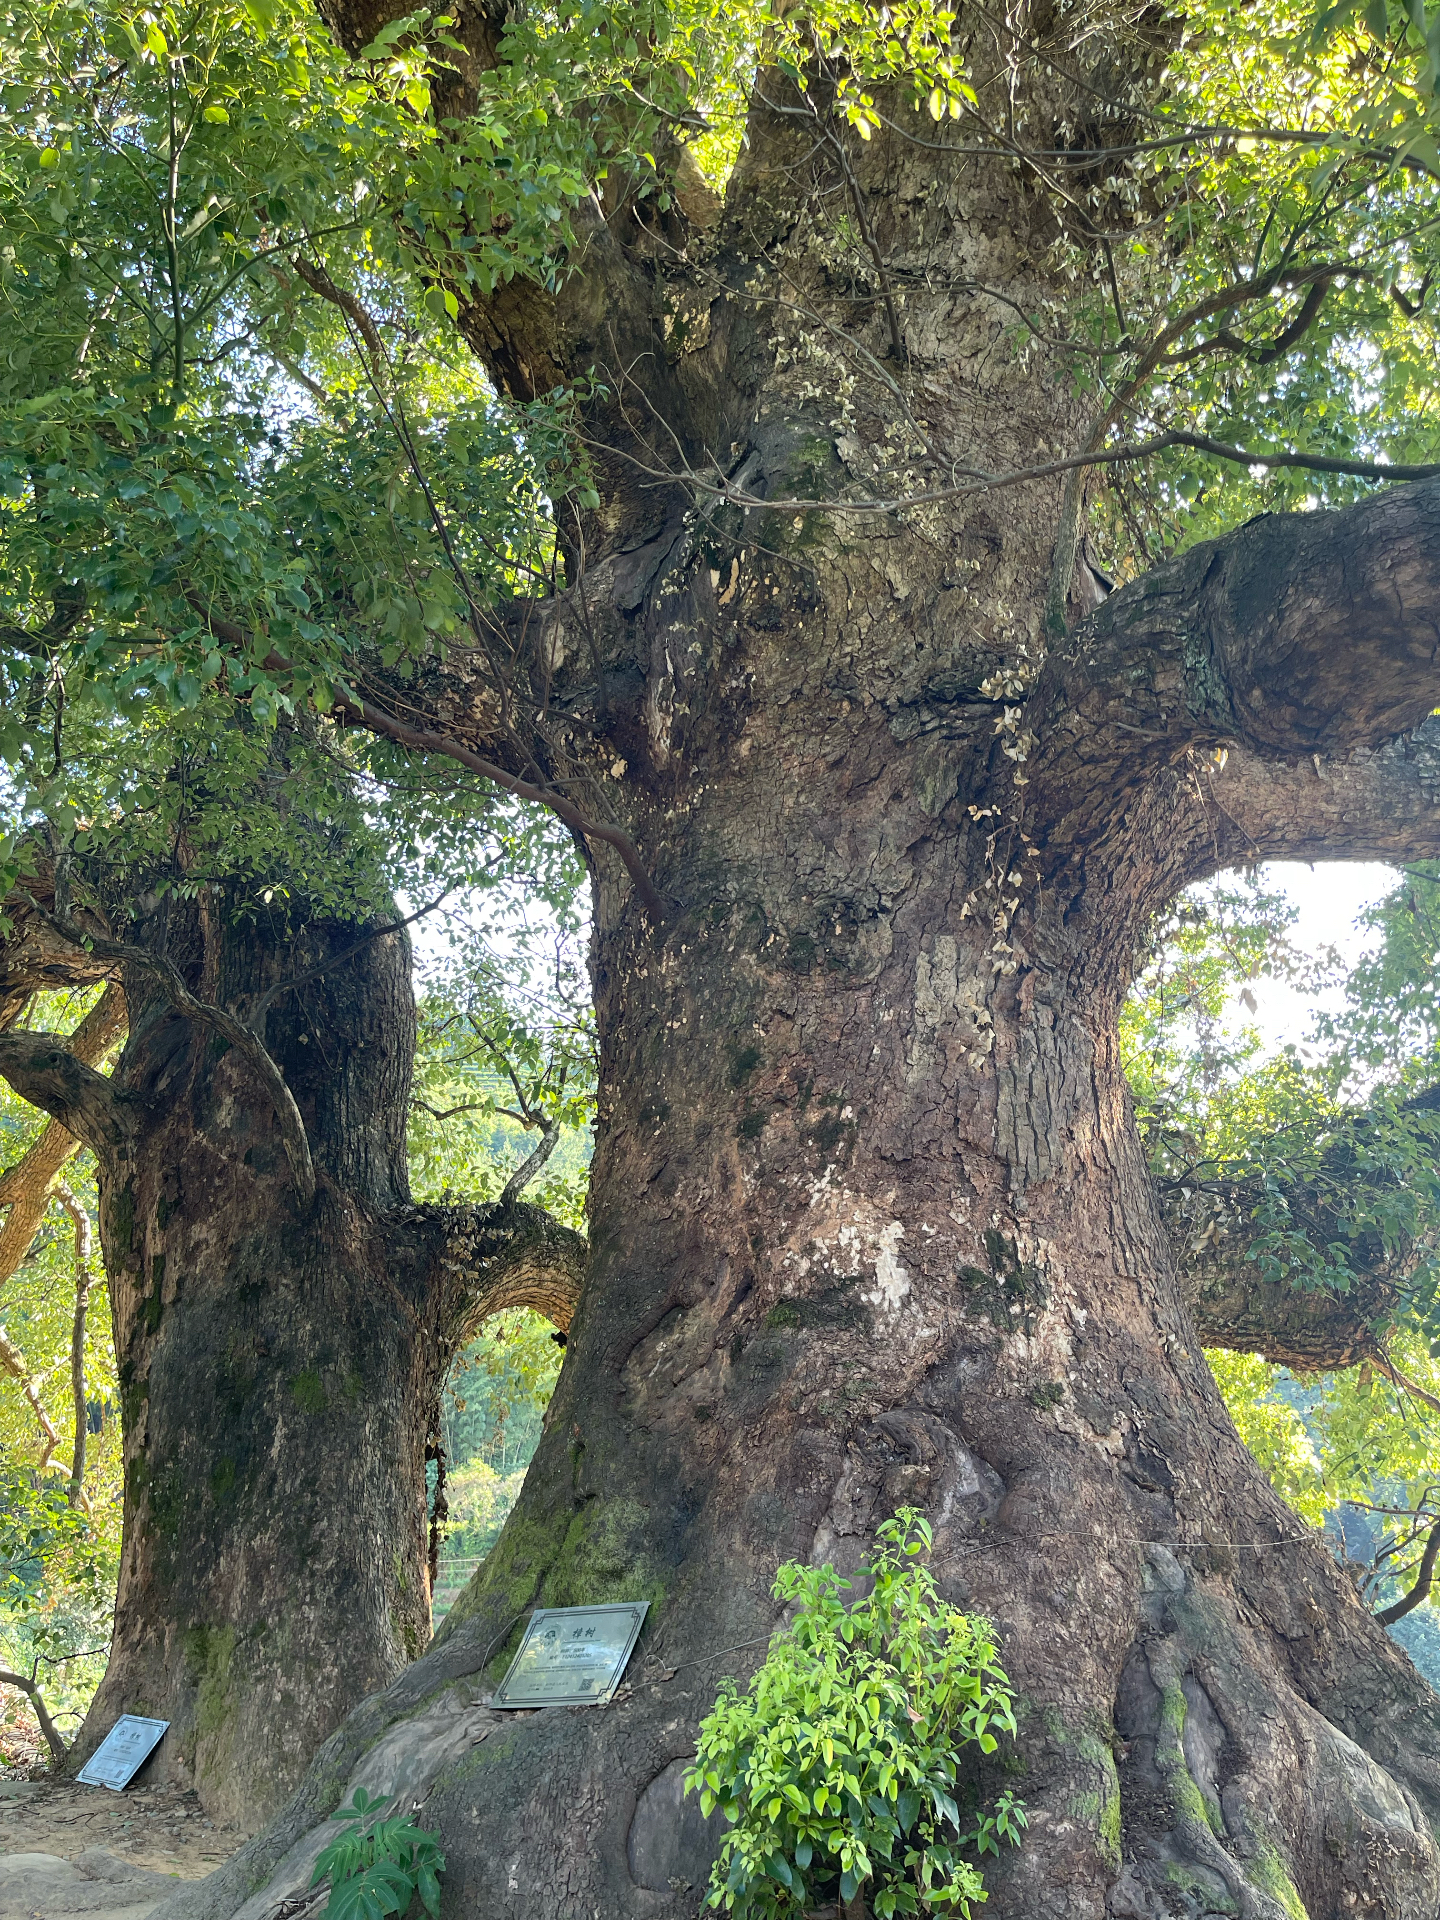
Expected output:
(498, 1389)
(490, 1424)
(1343, 1182)
(245, 451)
(506, 1060)
(58, 1561)
(839, 1764)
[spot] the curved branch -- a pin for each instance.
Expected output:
(531, 1165)
(58, 1749)
(13, 1361)
(25, 1187)
(34, 958)
(1423, 1579)
(500, 1256)
(42, 1069)
(351, 706)
(1300, 637)
(423, 740)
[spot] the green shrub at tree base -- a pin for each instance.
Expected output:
(838, 1765)
(376, 1866)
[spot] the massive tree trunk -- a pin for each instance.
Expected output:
(280, 1359)
(870, 1220)
(871, 1224)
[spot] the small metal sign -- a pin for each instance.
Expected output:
(122, 1753)
(572, 1656)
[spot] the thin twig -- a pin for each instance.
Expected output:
(13, 1361)
(1392, 1372)
(262, 1005)
(422, 740)
(978, 481)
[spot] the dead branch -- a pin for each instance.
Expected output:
(58, 1749)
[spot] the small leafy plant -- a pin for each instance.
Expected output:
(837, 1766)
(377, 1866)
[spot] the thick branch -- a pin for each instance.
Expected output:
(57, 1746)
(34, 958)
(502, 1256)
(529, 1168)
(25, 1187)
(1232, 1305)
(42, 1069)
(1369, 805)
(1308, 634)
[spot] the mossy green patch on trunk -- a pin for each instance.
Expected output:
(209, 1656)
(1271, 1875)
(308, 1390)
(584, 1558)
(1189, 1802)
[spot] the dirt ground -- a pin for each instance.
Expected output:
(154, 1827)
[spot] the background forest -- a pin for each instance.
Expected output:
(1355, 1452)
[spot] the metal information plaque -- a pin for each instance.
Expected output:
(122, 1753)
(572, 1656)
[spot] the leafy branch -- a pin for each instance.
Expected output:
(377, 1866)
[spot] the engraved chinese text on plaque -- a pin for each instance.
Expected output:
(572, 1656)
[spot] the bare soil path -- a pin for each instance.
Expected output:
(84, 1850)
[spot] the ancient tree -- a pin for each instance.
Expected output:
(879, 790)
(869, 1218)
(283, 1315)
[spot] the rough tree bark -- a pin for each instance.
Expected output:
(280, 1364)
(870, 1219)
